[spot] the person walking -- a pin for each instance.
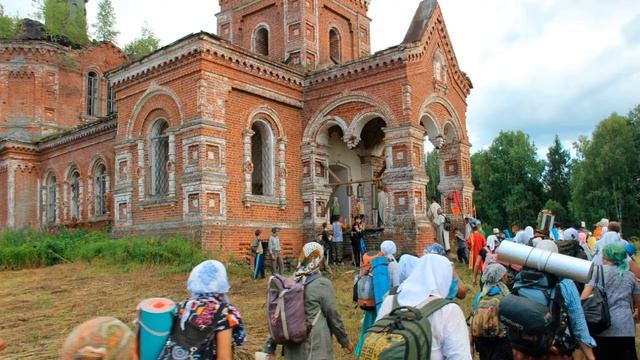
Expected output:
(357, 241)
(430, 280)
(320, 303)
(461, 245)
(258, 256)
(338, 240)
(475, 242)
(277, 265)
(389, 249)
(623, 297)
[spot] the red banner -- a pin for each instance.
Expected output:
(455, 205)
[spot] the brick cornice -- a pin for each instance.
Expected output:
(78, 133)
(210, 46)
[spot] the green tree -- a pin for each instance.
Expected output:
(561, 213)
(556, 177)
(8, 25)
(605, 180)
(507, 180)
(142, 46)
(106, 22)
(62, 22)
(432, 167)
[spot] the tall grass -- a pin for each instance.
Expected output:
(30, 249)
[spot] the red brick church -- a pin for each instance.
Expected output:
(281, 119)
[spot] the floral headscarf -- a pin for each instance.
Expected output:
(209, 277)
(312, 253)
(436, 249)
(100, 338)
(491, 277)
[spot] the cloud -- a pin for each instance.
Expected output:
(542, 66)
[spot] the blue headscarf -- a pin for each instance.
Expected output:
(209, 277)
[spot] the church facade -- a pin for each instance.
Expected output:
(280, 120)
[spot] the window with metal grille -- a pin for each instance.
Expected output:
(335, 46)
(262, 157)
(111, 100)
(159, 143)
(101, 188)
(51, 199)
(261, 41)
(92, 94)
(74, 182)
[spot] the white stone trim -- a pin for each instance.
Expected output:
(153, 90)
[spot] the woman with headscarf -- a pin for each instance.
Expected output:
(582, 240)
(431, 280)
(208, 306)
(457, 288)
(577, 324)
(320, 302)
(100, 338)
(623, 296)
(406, 265)
(389, 249)
(494, 278)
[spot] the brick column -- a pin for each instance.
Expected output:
(455, 176)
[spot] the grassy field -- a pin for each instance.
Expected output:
(41, 306)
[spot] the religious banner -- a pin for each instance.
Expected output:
(455, 204)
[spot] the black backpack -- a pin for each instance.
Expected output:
(571, 248)
(535, 315)
(192, 342)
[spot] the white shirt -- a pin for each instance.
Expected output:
(450, 335)
(433, 211)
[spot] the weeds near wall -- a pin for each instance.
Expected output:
(26, 249)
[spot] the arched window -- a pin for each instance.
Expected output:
(111, 100)
(92, 98)
(74, 192)
(261, 41)
(262, 157)
(51, 199)
(159, 144)
(101, 188)
(335, 46)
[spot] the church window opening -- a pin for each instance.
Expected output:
(111, 100)
(74, 183)
(101, 188)
(262, 157)
(92, 94)
(439, 67)
(159, 142)
(335, 46)
(261, 41)
(51, 199)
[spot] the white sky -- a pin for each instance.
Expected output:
(542, 66)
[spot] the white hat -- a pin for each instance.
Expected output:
(496, 231)
(603, 222)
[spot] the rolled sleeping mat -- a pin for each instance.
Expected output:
(155, 318)
(542, 260)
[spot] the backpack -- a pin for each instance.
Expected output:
(535, 315)
(363, 283)
(286, 317)
(195, 341)
(485, 320)
(404, 333)
(571, 248)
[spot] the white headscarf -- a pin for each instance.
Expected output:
(521, 238)
(529, 231)
(492, 242)
(209, 277)
(432, 276)
(406, 265)
(388, 248)
(571, 234)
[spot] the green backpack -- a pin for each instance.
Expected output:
(403, 334)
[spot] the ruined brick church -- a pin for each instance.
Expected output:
(279, 120)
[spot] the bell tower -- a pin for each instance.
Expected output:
(310, 34)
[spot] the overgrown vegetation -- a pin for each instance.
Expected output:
(30, 249)
(9, 26)
(63, 22)
(142, 46)
(106, 22)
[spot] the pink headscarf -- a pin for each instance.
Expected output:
(582, 238)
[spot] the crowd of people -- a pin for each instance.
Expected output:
(409, 295)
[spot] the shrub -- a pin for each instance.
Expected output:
(30, 249)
